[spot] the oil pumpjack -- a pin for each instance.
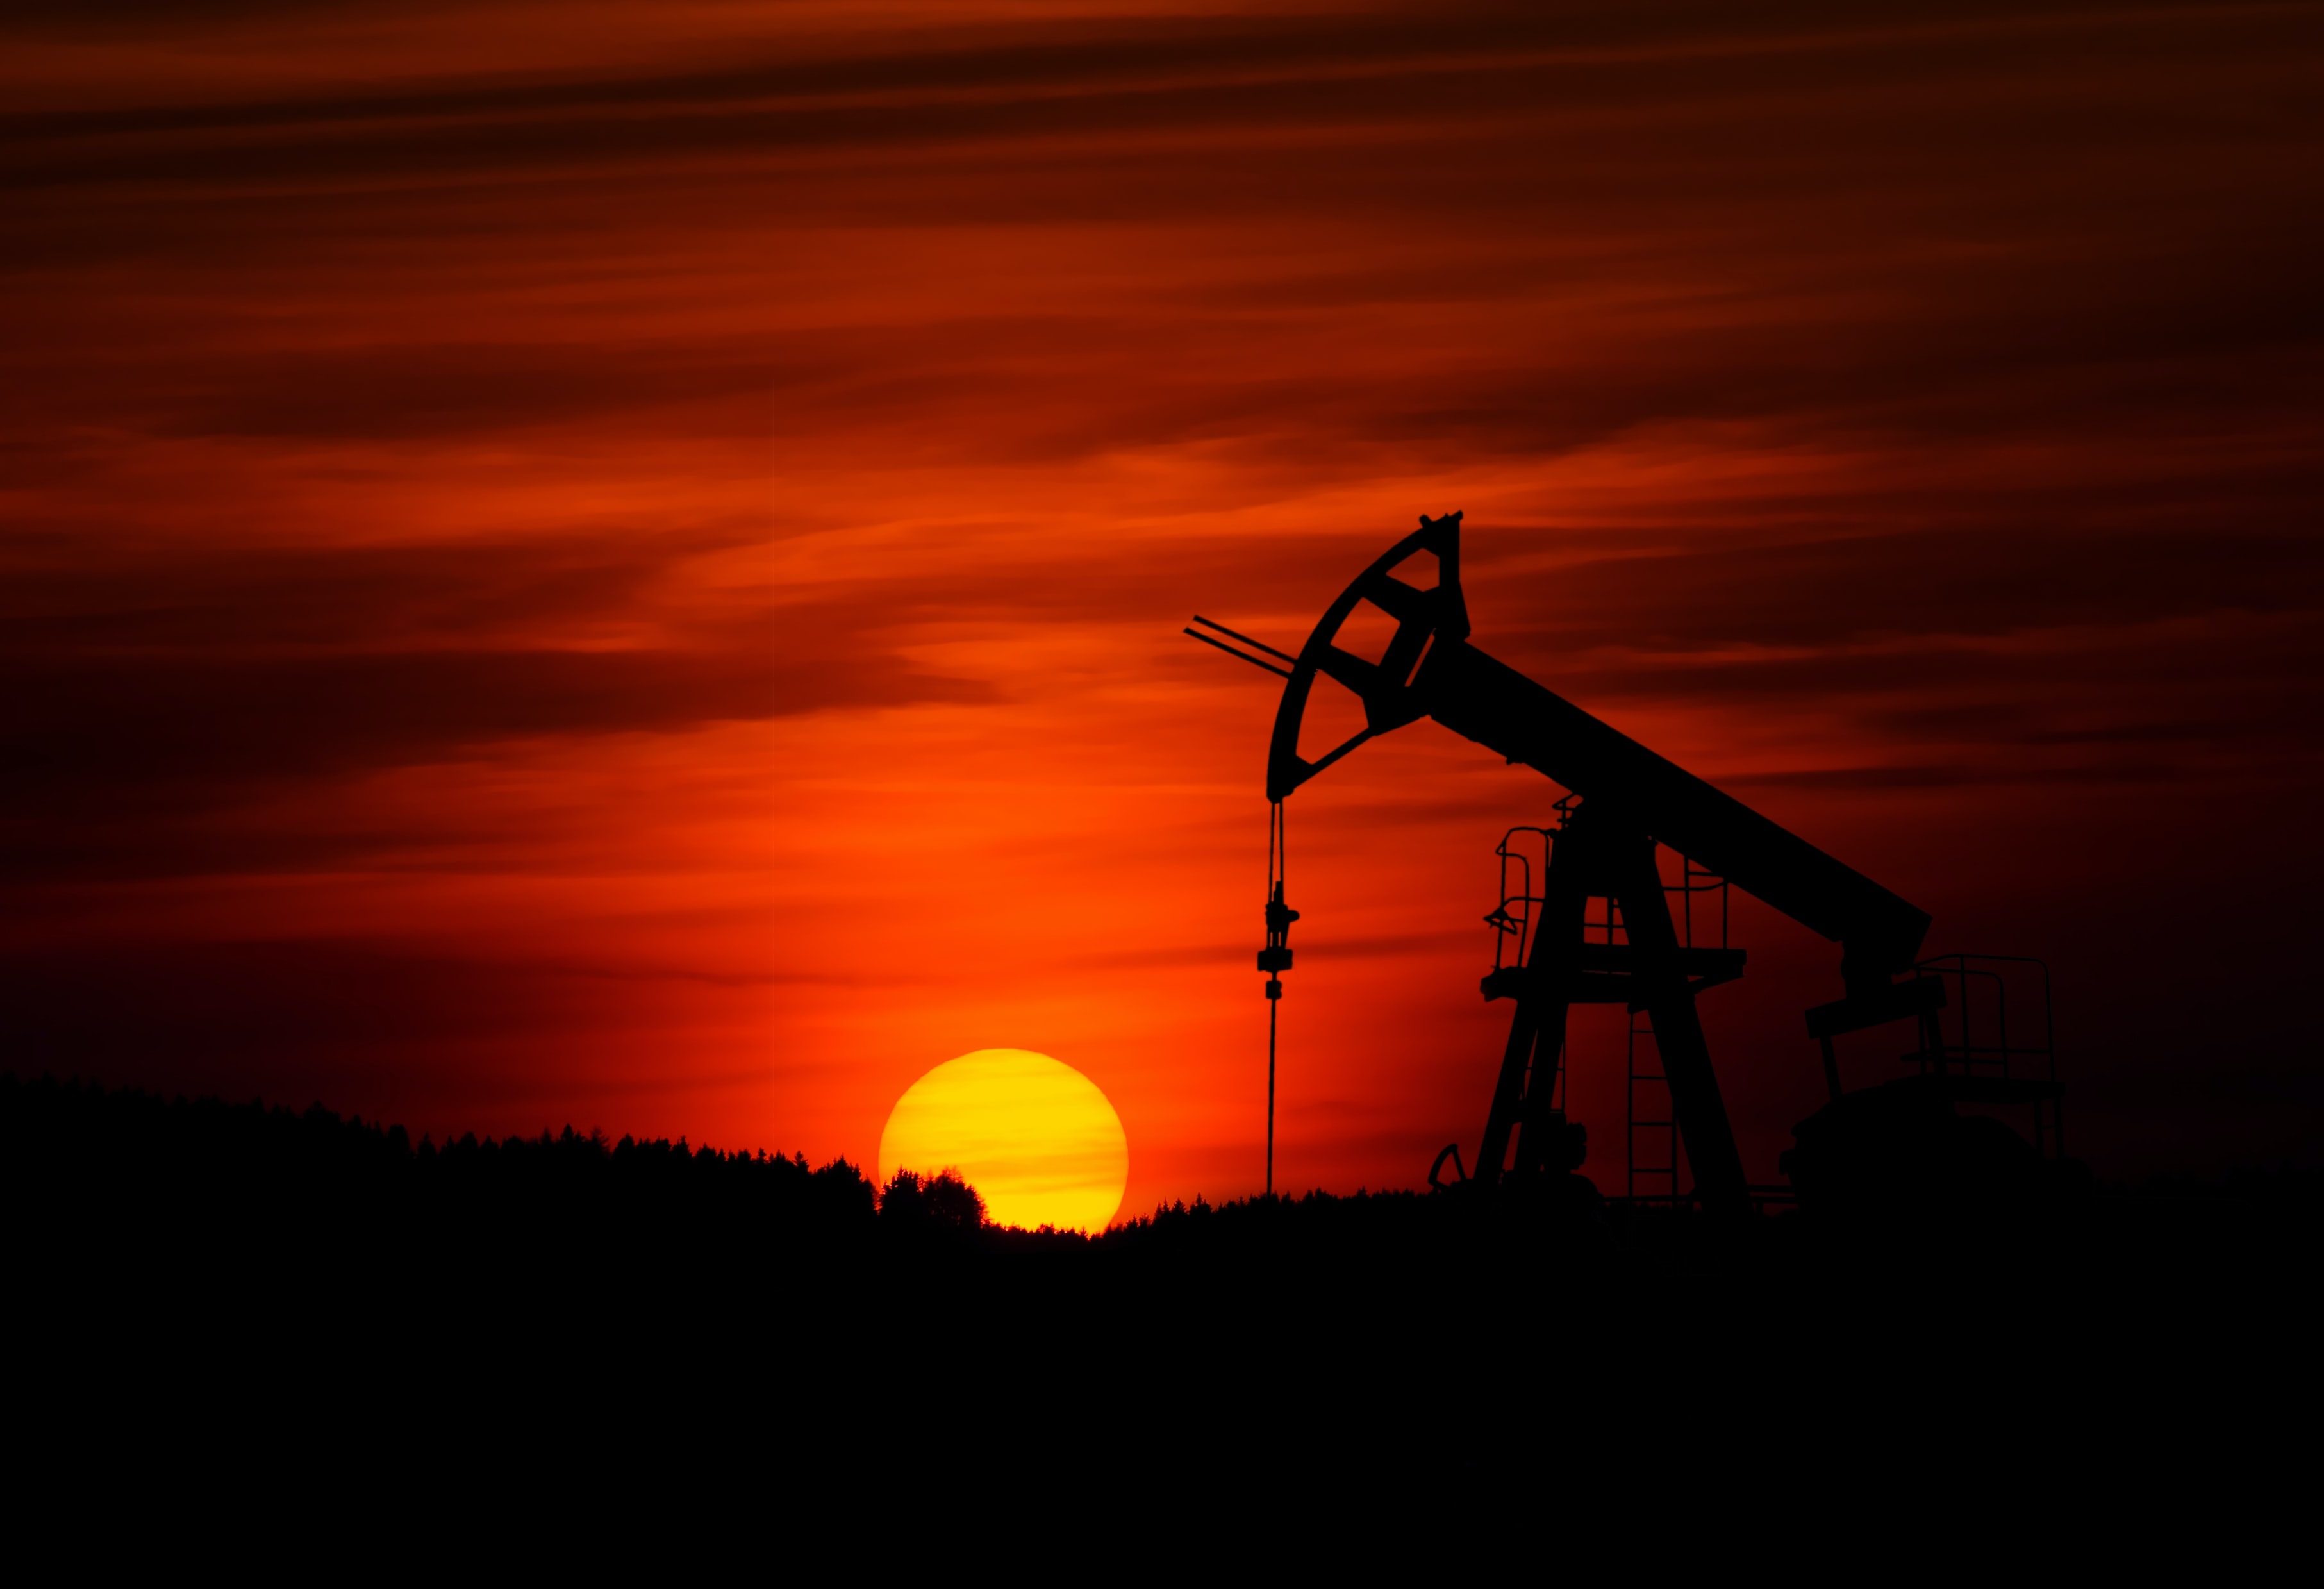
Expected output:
(1598, 927)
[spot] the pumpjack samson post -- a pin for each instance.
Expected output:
(1624, 800)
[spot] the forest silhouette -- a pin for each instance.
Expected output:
(116, 1176)
(233, 1255)
(480, 1305)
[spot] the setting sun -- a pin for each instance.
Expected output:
(1034, 1136)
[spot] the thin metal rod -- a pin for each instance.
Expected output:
(1278, 869)
(1239, 656)
(1281, 859)
(1272, 1006)
(1246, 639)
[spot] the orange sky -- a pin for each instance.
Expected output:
(623, 564)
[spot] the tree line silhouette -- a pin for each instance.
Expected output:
(83, 1157)
(562, 1285)
(90, 1171)
(121, 1175)
(81, 1161)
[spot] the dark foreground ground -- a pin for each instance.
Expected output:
(245, 1335)
(168, 1245)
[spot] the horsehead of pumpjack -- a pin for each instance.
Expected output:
(1388, 688)
(1629, 800)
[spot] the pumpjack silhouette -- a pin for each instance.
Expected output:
(1594, 925)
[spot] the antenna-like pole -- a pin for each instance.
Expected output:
(1274, 959)
(1273, 1003)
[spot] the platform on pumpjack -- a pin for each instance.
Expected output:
(1596, 927)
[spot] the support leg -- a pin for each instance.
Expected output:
(1508, 1091)
(1538, 1119)
(1537, 1026)
(1695, 1101)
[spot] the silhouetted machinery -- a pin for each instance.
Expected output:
(1593, 924)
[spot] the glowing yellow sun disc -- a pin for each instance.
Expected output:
(1035, 1137)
